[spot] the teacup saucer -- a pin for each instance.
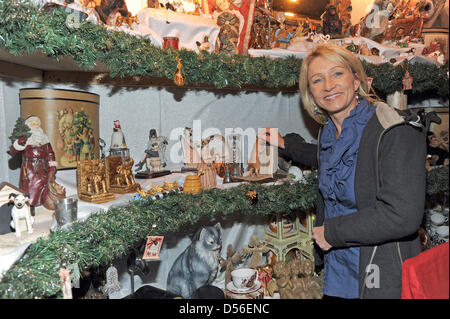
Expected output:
(231, 287)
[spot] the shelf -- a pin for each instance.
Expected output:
(38, 67)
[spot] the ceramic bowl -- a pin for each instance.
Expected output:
(442, 231)
(243, 278)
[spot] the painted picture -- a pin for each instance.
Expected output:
(77, 141)
(71, 120)
(153, 247)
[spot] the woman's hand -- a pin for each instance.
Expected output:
(271, 136)
(319, 237)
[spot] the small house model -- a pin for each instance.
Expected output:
(290, 236)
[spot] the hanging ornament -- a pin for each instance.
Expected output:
(178, 77)
(112, 281)
(407, 81)
(369, 83)
(66, 284)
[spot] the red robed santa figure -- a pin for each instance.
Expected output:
(38, 162)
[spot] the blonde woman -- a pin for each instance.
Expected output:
(371, 166)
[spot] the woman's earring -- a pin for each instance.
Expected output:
(316, 110)
(358, 97)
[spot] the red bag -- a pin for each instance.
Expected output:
(426, 275)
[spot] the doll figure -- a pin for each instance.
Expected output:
(154, 153)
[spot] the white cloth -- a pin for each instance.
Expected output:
(188, 28)
(300, 48)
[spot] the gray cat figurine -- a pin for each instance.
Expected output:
(198, 264)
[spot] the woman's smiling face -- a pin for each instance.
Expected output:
(333, 86)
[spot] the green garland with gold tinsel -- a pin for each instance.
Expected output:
(25, 30)
(105, 236)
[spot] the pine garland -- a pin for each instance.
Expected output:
(25, 30)
(108, 235)
(437, 181)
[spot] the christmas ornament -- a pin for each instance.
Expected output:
(178, 77)
(66, 284)
(112, 281)
(407, 81)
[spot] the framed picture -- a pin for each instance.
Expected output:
(153, 247)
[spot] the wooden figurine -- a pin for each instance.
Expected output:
(255, 249)
(263, 159)
(230, 22)
(119, 175)
(92, 182)
(191, 157)
(233, 258)
(281, 280)
(331, 24)
(284, 36)
(178, 76)
(310, 283)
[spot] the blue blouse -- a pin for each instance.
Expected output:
(337, 185)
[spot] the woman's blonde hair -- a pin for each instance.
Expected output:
(338, 55)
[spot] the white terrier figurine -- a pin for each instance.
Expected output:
(21, 210)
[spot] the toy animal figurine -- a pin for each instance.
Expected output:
(126, 20)
(21, 210)
(205, 45)
(198, 265)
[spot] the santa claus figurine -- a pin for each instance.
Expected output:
(38, 167)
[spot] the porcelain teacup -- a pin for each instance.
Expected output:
(442, 231)
(243, 278)
(438, 219)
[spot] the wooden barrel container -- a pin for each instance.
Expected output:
(192, 185)
(69, 118)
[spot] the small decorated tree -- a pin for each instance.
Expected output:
(20, 130)
(437, 184)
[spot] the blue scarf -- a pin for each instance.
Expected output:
(337, 184)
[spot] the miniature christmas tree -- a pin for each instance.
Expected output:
(437, 184)
(20, 130)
